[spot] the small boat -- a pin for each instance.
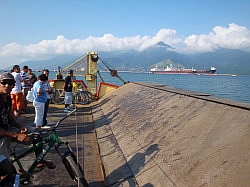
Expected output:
(173, 70)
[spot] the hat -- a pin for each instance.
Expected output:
(6, 76)
(70, 71)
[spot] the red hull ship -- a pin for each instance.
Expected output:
(171, 70)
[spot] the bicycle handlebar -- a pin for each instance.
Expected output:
(44, 131)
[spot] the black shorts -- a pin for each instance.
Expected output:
(6, 166)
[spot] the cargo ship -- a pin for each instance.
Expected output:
(173, 70)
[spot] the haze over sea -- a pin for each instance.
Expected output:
(231, 87)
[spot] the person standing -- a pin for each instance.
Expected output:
(40, 98)
(39, 101)
(68, 91)
(48, 90)
(16, 93)
(25, 85)
(32, 77)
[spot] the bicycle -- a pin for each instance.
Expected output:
(57, 96)
(83, 97)
(44, 145)
(80, 97)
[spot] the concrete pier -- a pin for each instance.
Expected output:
(155, 135)
(152, 135)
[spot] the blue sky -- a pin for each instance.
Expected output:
(33, 29)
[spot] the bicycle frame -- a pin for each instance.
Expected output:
(46, 143)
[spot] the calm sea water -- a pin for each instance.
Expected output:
(231, 87)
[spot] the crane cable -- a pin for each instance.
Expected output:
(113, 72)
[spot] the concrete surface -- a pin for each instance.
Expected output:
(78, 129)
(155, 135)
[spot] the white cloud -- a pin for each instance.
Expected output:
(233, 37)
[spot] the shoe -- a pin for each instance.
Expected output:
(46, 127)
(45, 124)
(72, 106)
(45, 163)
(68, 109)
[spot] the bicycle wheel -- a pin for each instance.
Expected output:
(89, 95)
(58, 97)
(82, 97)
(74, 169)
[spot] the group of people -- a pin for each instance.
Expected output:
(41, 93)
(20, 89)
(14, 87)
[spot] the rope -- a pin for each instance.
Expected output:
(100, 76)
(113, 72)
(77, 150)
(77, 146)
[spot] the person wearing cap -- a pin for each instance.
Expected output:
(7, 118)
(16, 93)
(68, 90)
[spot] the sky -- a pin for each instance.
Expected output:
(43, 29)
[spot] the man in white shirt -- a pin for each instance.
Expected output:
(16, 93)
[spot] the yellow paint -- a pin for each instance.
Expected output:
(105, 88)
(91, 75)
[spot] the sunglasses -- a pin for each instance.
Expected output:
(11, 83)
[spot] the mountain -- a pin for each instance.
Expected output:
(225, 60)
(52, 64)
(162, 44)
(141, 60)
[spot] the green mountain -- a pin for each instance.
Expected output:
(225, 60)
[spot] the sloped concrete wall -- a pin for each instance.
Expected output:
(154, 135)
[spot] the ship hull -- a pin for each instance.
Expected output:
(206, 72)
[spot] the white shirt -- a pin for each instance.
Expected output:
(46, 86)
(26, 80)
(18, 86)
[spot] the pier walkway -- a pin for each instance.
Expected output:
(83, 144)
(152, 135)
